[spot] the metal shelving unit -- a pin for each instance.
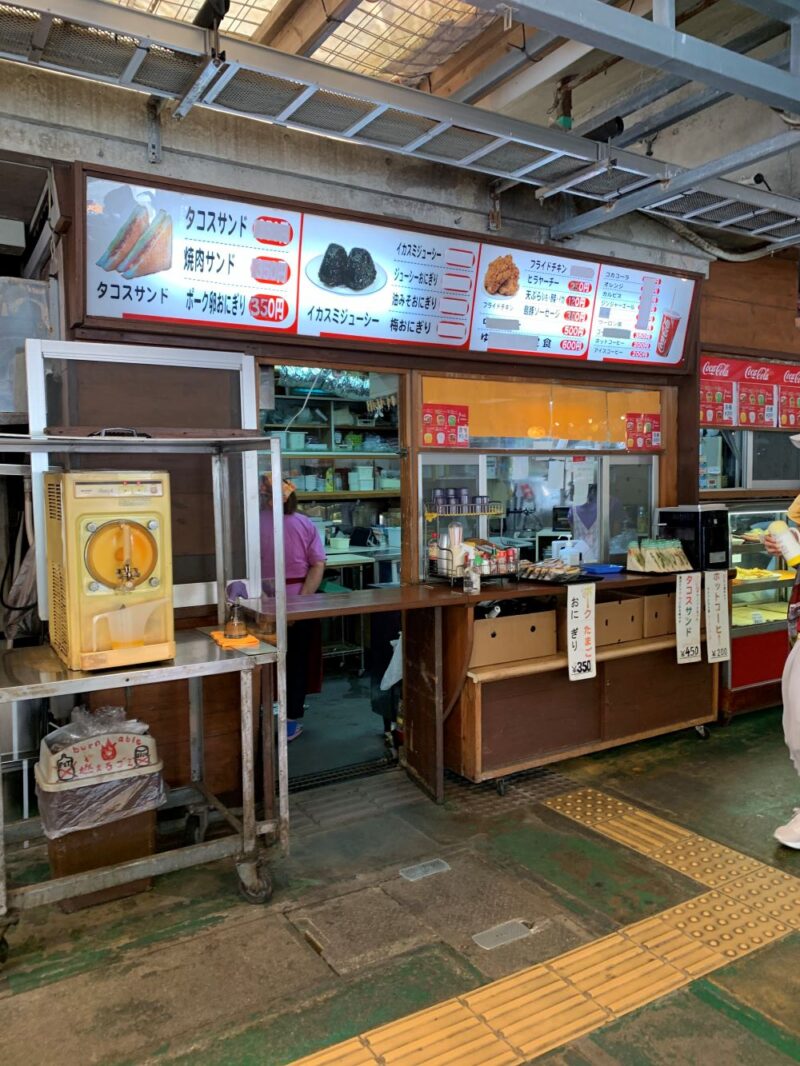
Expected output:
(33, 673)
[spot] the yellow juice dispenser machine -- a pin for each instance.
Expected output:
(109, 564)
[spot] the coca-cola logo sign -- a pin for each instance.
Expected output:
(716, 370)
(791, 377)
(757, 373)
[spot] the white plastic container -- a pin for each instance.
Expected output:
(295, 441)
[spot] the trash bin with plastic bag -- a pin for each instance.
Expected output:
(99, 784)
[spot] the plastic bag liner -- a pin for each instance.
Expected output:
(790, 684)
(84, 724)
(394, 671)
(93, 805)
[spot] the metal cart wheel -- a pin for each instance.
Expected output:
(703, 732)
(502, 786)
(255, 882)
(194, 832)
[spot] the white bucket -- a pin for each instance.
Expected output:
(394, 534)
(295, 441)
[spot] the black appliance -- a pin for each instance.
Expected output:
(561, 523)
(702, 529)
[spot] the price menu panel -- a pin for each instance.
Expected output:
(534, 304)
(641, 317)
(364, 282)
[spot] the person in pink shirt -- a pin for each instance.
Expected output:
(305, 566)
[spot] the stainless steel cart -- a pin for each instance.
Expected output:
(34, 673)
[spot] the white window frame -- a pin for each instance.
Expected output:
(38, 352)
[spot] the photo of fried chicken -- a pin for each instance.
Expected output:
(502, 277)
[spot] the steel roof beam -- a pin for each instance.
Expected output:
(780, 10)
(644, 42)
(662, 85)
(681, 182)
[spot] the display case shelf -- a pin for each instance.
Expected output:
(374, 494)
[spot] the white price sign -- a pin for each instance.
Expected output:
(718, 630)
(581, 642)
(687, 617)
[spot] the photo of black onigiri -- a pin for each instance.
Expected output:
(361, 270)
(334, 268)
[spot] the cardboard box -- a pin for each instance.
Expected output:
(617, 621)
(514, 638)
(659, 615)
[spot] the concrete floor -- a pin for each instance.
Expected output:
(188, 973)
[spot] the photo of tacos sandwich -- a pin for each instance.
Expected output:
(125, 238)
(152, 252)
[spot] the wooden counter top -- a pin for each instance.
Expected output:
(372, 601)
(415, 597)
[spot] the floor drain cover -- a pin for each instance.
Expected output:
(424, 869)
(506, 933)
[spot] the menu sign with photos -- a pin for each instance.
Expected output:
(533, 304)
(717, 393)
(162, 256)
(756, 393)
(445, 425)
(642, 432)
(789, 399)
(375, 283)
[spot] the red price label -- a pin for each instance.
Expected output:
(575, 316)
(573, 331)
(571, 346)
(577, 301)
(268, 308)
(580, 286)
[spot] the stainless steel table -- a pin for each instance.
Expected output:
(33, 673)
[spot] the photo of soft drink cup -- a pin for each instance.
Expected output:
(666, 334)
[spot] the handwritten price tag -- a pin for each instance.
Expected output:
(718, 630)
(581, 642)
(687, 617)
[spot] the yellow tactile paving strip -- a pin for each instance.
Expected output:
(748, 906)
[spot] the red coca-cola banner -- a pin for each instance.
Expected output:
(750, 395)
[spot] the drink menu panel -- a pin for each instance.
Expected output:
(161, 255)
(366, 282)
(534, 304)
(641, 317)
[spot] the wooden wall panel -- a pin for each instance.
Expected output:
(752, 306)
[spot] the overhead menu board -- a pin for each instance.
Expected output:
(160, 255)
(366, 282)
(163, 256)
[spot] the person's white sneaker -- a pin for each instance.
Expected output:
(789, 834)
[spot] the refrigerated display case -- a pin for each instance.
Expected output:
(759, 603)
